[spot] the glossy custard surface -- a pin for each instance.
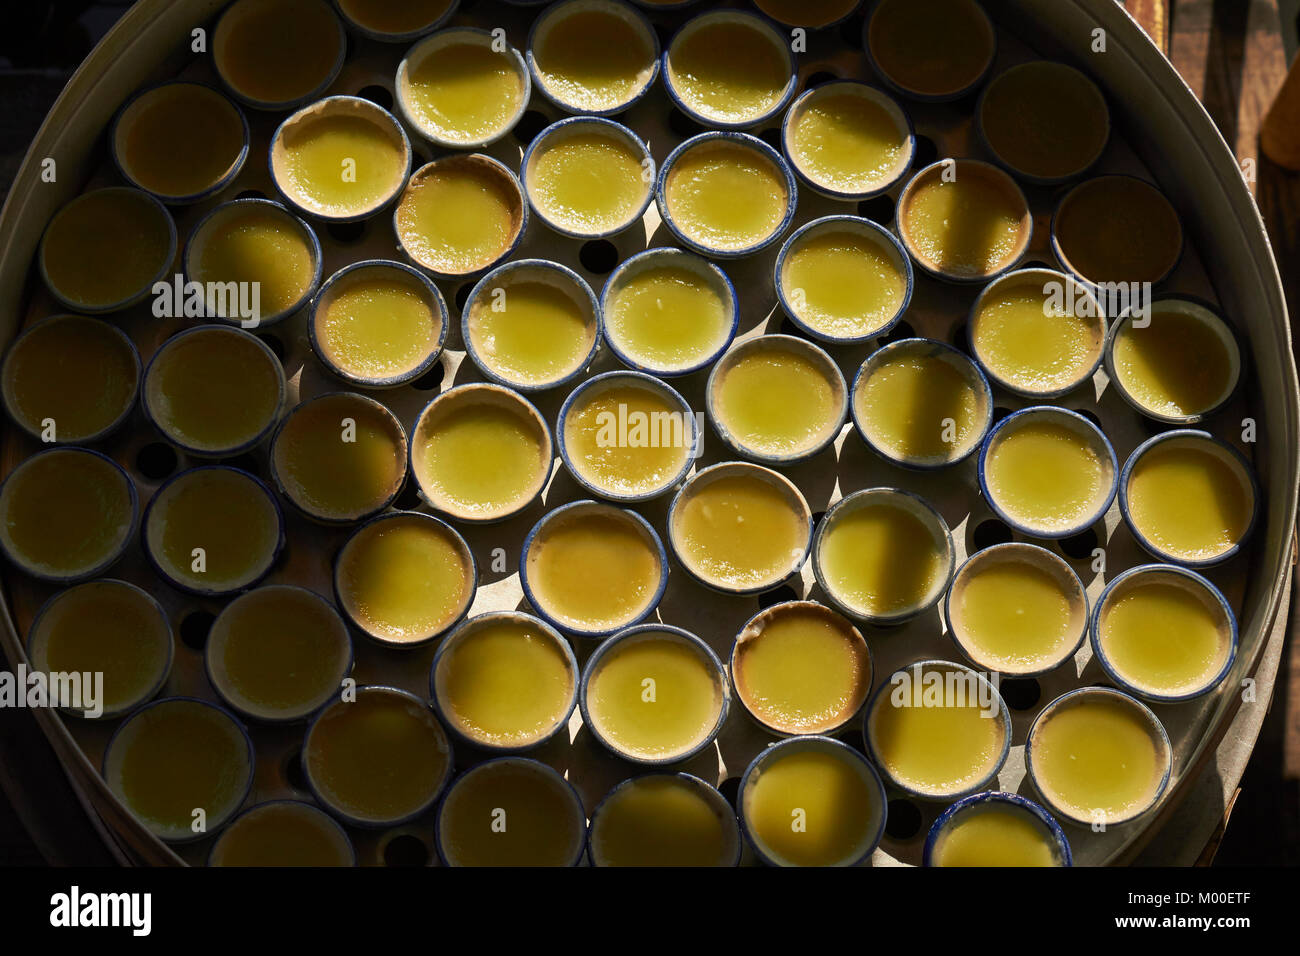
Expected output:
(1046, 120)
(727, 196)
(1186, 500)
(1176, 366)
(667, 317)
(593, 59)
(880, 559)
(729, 71)
(919, 407)
(377, 324)
(278, 51)
(464, 92)
(739, 532)
(995, 836)
(969, 226)
(1118, 229)
(283, 833)
(627, 439)
(1014, 616)
(807, 13)
(458, 218)
(1046, 475)
(846, 142)
(777, 401)
(1026, 336)
(510, 813)
(661, 820)
(339, 164)
(589, 182)
(843, 285)
(531, 332)
(179, 140)
(396, 19)
(931, 47)
(255, 243)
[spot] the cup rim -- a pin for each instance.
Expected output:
(710, 794)
(301, 805)
(945, 819)
(282, 105)
(408, 36)
(945, 97)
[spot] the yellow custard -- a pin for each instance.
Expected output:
(505, 681)
(66, 513)
(278, 52)
(627, 439)
(654, 696)
(930, 48)
(668, 315)
(340, 160)
(740, 530)
(213, 530)
(480, 454)
(178, 757)
(812, 804)
(1096, 759)
(254, 242)
(532, 331)
(459, 215)
(1047, 475)
(918, 406)
(777, 400)
(377, 324)
(725, 195)
(937, 730)
(214, 390)
(395, 19)
(592, 57)
(70, 378)
(964, 220)
(106, 248)
(807, 13)
(593, 568)
(180, 140)
(278, 653)
(105, 627)
(880, 559)
(995, 834)
(1117, 229)
(846, 142)
(340, 457)
(841, 284)
(379, 758)
(1164, 634)
(283, 833)
(460, 91)
(801, 669)
(591, 183)
(1188, 501)
(404, 578)
(663, 820)
(1177, 366)
(511, 812)
(1038, 333)
(1045, 120)
(729, 69)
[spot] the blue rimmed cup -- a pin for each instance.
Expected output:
(928, 252)
(228, 214)
(977, 28)
(157, 405)
(994, 801)
(1127, 587)
(132, 112)
(484, 396)
(604, 727)
(930, 350)
(548, 606)
(327, 828)
(783, 13)
(696, 564)
(668, 262)
(422, 121)
(1222, 453)
(679, 429)
(33, 421)
(1060, 803)
(450, 844)
(323, 781)
(192, 582)
(363, 615)
(1130, 326)
(910, 507)
(395, 31)
(959, 686)
(776, 453)
(1076, 301)
(1035, 560)
(376, 270)
(688, 234)
(872, 829)
(263, 27)
(569, 221)
(239, 775)
(48, 618)
(94, 500)
(491, 296)
(695, 102)
(459, 724)
(351, 109)
(585, 101)
(663, 854)
(818, 181)
(1092, 440)
(795, 301)
(65, 225)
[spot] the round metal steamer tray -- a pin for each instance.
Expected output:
(1161, 131)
